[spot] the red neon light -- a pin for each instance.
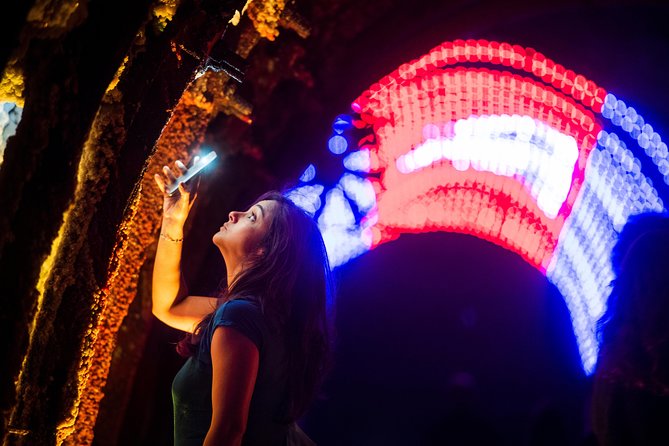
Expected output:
(488, 206)
(515, 56)
(400, 106)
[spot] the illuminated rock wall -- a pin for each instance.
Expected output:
(74, 225)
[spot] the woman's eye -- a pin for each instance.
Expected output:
(252, 217)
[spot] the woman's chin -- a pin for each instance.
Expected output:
(219, 239)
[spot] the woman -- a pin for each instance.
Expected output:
(257, 351)
(631, 383)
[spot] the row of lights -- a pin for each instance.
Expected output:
(407, 114)
(512, 146)
(633, 123)
(483, 204)
(497, 92)
(614, 189)
(345, 236)
(496, 53)
(478, 84)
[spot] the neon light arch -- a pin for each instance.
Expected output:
(500, 142)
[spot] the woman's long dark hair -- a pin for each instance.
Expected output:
(634, 330)
(290, 277)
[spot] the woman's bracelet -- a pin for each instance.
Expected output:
(167, 237)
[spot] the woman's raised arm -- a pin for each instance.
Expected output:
(168, 291)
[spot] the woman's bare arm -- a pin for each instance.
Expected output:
(169, 288)
(169, 303)
(235, 360)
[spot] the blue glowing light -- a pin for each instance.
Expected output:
(307, 197)
(308, 174)
(342, 236)
(360, 191)
(358, 161)
(341, 123)
(337, 144)
(633, 123)
(614, 189)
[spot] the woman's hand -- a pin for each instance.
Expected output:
(177, 206)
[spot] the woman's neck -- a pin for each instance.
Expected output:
(233, 271)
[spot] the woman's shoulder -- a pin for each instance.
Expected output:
(245, 315)
(239, 309)
(242, 303)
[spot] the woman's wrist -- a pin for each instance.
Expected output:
(172, 230)
(166, 236)
(172, 223)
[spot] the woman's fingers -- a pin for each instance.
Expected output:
(181, 166)
(183, 191)
(160, 182)
(170, 176)
(168, 173)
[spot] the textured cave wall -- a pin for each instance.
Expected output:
(70, 184)
(65, 78)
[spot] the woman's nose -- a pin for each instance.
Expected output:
(232, 216)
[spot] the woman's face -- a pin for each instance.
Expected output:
(242, 233)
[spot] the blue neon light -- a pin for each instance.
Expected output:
(308, 174)
(307, 197)
(358, 161)
(337, 144)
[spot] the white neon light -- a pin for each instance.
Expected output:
(633, 123)
(360, 191)
(539, 156)
(307, 197)
(342, 236)
(358, 161)
(613, 190)
(308, 174)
